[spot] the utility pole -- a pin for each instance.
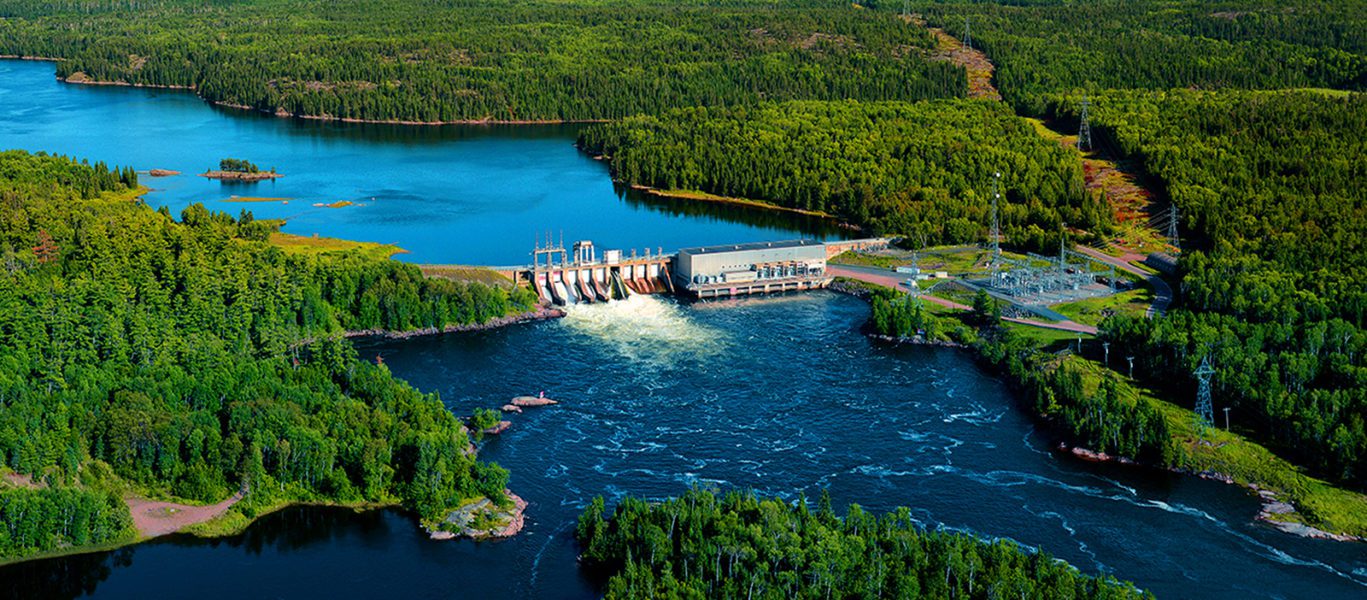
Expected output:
(1204, 413)
(1131, 359)
(1106, 350)
(1226, 418)
(1084, 130)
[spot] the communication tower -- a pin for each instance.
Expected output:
(996, 222)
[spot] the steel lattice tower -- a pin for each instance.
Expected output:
(996, 221)
(968, 37)
(1084, 130)
(1172, 226)
(1205, 413)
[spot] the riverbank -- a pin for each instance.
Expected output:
(80, 78)
(1293, 502)
(284, 114)
(542, 313)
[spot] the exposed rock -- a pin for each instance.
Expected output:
(500, 428)
(511, 408)
(162, 172)
(527, 401)
(498, 522)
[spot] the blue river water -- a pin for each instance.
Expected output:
(782, 395)
(460, 194)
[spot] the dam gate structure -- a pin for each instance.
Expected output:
(581, 274)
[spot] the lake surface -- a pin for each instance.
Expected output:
(782, 395)
(459, 194)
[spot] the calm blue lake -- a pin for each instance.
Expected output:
(458, 194)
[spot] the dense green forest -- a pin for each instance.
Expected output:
(1270, 186)
(415, 60)
(148, 355)
(1045, 46)
(742, 546)
(918, 169)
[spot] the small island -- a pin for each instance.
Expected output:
(236, 169)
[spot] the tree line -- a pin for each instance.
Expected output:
(923, 170)
(410, 60)
(1050, 46)
(188, 357)
(738, 545)
(1273, 214)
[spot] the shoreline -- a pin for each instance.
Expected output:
(542, 313)
(286, 114)
(1271, 504)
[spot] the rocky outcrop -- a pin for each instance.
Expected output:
(482, 520)
(541, 313)
(530, 401)
(501, 427)
(511, 408)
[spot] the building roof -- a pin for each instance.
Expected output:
(750, 246)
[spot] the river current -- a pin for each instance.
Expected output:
(782, 395)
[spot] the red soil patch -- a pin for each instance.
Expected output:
(154, 518)
(23, 480)
(980, 69)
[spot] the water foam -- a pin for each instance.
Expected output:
(645, 329)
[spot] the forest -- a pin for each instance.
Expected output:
(738, 545)
(1274, 214)
(187, 358)
(418, 61)
(923, 170)
(1041, 47)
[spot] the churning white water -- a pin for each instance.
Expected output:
(648, 329)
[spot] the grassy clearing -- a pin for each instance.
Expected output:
(707, 197)
(1093, 310)
(318, 245)
(468, 274)
(1318, 503)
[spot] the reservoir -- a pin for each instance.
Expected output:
(460, 194)
(782, 395)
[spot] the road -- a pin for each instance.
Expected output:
(894, 280)
(1162, 292)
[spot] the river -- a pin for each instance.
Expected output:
(782, 395)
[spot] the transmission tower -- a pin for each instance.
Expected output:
(1172, 226)
(1205, 414)
(968, 37)
(996, 221)
(906, 9)
(1084, 130)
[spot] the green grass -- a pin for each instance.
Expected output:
(1093, 310)
(1318, 503)
(1043, 336)
(469, 274)
(318, 245)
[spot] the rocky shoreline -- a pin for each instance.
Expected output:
(540, 314)
(1274, 510)
(460, 522)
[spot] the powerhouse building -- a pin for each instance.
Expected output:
(753, 268)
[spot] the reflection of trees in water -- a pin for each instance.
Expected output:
(407, 134)
(289, 530)
(294, 529)
(735, 213)
(64, 577)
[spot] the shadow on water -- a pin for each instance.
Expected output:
(808, 225)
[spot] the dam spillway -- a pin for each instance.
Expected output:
(580, 275)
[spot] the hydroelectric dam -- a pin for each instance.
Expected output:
(582, 274)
